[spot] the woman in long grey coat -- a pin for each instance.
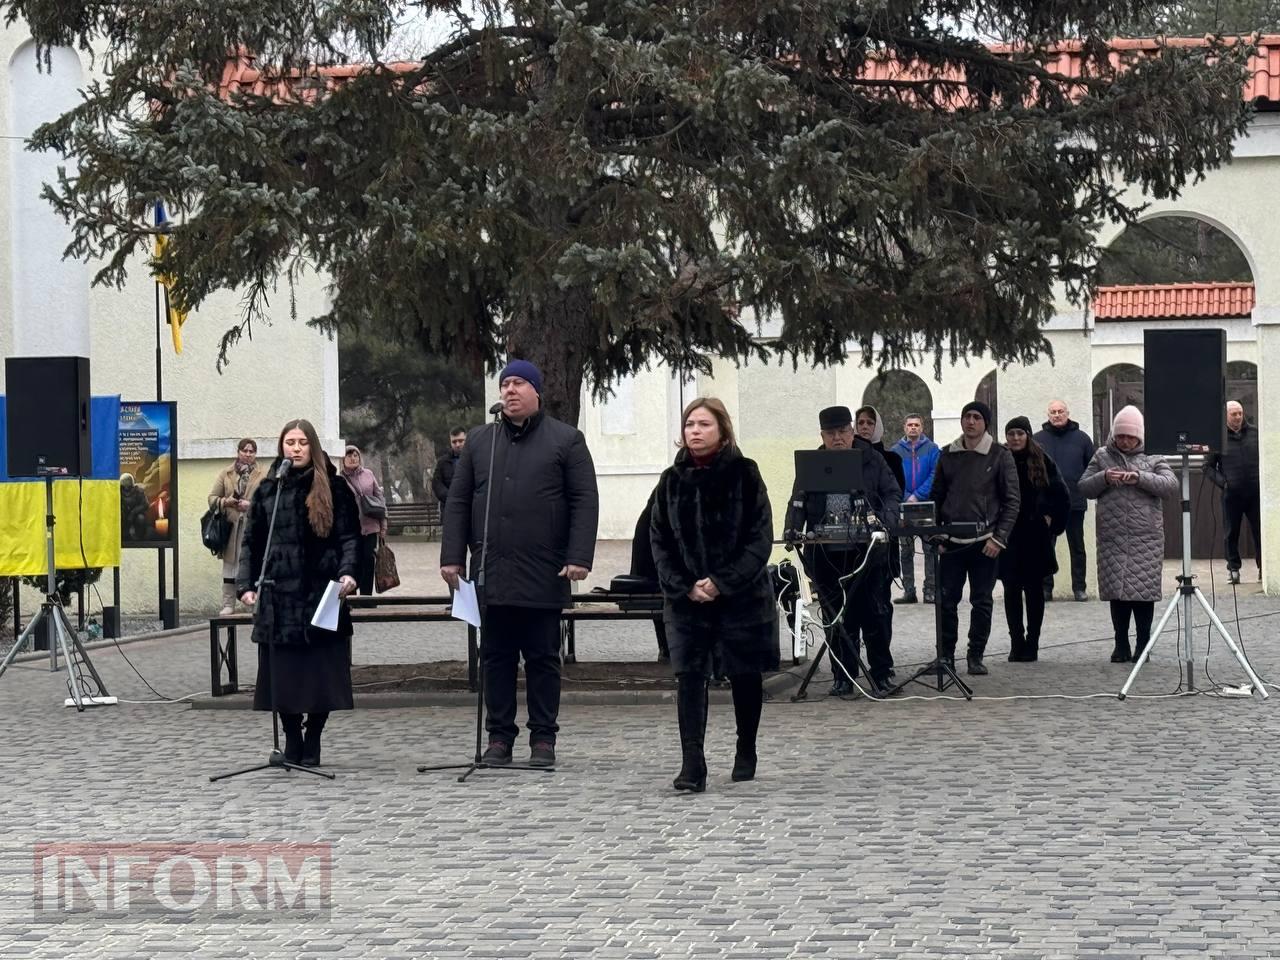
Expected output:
(1129, 485)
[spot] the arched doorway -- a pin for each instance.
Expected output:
(1116, 386)
(898, 394)
(988, 394)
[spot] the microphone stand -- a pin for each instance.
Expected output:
(276, 760)
(482, 602)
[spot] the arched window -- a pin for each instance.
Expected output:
(988, 394)
(898, 394)
(1116, 386)
(1172, 250)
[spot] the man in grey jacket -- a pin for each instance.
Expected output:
(1234, 470)
(543, 535)
(976, 480)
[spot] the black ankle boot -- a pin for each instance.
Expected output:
(291, 723)
(311, 740)
(744, 763)
(1121, 653)
(691, 711)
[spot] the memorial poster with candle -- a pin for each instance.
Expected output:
(148, 474)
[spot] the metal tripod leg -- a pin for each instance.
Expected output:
(1232, 646)
(20, 644)
(68, 641)
(1156, 633)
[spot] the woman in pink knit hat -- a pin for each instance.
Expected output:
(1129, 485)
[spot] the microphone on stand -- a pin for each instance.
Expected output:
(285, 466)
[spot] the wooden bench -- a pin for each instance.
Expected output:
(416, 514)
(223, 654)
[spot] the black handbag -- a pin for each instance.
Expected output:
(373, 506)
(215, 531)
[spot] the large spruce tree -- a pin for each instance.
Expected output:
(596, 184)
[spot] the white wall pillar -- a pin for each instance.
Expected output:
(50, 296)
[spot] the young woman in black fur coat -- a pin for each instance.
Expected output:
(301, 668)
(712, 533)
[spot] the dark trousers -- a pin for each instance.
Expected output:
(1142, 612)
(907, 554)
(364, 563)
(509, 633)
(866, 612)
(1075, 544)
(1235, 508)
(1024, 638)
(958, 565)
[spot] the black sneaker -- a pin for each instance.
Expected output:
(976, 667)
(909, 597)
(841, 688)
(542, 753)
(1233, 576)
(1080, 596)
(498, 754)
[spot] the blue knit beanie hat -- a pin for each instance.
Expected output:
(525, 371)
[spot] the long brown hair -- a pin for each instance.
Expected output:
(1037, 470)
(320, 499)
(723, 420)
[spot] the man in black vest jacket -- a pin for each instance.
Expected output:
(1071, 449)
(543, 535)
(857, 606)
(1235, 472)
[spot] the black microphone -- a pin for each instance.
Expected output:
(285, 465)
(495, 409)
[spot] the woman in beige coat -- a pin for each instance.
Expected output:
(231, 494)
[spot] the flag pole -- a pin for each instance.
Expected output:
(159, 382)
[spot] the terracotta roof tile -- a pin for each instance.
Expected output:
(1174, 300)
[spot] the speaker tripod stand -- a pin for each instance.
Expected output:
(1185, 602)
(63, 637)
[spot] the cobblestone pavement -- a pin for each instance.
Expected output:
(1001, 828)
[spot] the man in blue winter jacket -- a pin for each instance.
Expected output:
(919, 461)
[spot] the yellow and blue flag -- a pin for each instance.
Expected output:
(176, 318)
(87, 511)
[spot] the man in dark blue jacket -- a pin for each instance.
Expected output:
(1235, 471)
(543, 536)
(919, 461)
(1071, 449)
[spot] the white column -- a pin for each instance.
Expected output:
(50, 296)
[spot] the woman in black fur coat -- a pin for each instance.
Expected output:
(712, 533)
(301, 668)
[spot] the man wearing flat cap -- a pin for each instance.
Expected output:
(857, 606)
(976, 480)
(540, 487)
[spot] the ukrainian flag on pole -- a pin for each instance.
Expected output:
(176, 317)
(87, 511)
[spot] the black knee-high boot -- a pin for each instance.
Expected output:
(311, 741)
(748, 701)
(691, 710)
(291, 723)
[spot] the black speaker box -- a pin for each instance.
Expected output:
(1185, 383)
(47, 416)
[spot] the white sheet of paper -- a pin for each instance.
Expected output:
(326, 615)
(465, 605)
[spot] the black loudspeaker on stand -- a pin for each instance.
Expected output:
(47, 416)
(477, 763)
(276, 759)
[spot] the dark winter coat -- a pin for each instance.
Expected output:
(919, 461)
(642, 564)
(1235, 469)
(716, 522)
(880, 489)
(978, 485)
(1130, 522)
(442, 477)
(1071, 449)
(302, 564)
(545, 508)
(1030, 556)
